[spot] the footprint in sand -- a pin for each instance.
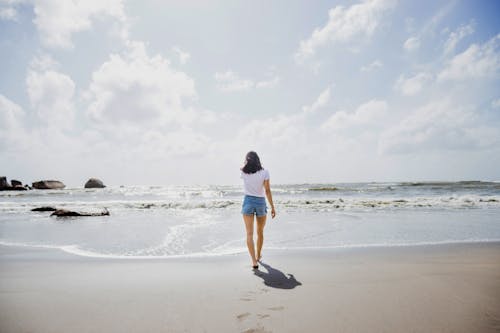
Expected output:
(277, 308)
(256, 330)
(242, 316)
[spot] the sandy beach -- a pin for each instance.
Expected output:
(439, 288)
(142, 144)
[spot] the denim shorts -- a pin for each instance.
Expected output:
(254, 205)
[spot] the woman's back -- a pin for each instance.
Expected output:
(253, 183)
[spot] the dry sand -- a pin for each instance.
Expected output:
(445, 288)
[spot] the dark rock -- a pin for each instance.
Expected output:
(67, 213)
(64, 212)
(18, 188)
(16, 185)
(48, 185)
(44, 209)
(94, 183)
(3, 182)
(14, 182)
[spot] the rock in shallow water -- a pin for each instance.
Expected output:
(14, 182)
(48, 185)
(67, 213)
(14, 185)
(3, 182)
(94, 183)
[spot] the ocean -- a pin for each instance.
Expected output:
(173, 221)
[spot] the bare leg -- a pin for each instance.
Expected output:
(249, 226)
(261, 222)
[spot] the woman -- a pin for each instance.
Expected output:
(256, 188)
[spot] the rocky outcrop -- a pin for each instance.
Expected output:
(48, 185)
(94, 183)
(68, 213)
(14, 182)
(3, 182)
(14, 185)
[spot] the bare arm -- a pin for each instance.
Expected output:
(269, 196)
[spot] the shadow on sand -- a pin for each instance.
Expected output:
(276, 278)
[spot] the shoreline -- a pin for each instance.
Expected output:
(5, 248)
(444, 288)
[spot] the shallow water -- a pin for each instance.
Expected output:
(163, 221)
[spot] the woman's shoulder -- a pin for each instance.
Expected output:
(264, 173)
(261, 172)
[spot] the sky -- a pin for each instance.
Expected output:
(177, 92)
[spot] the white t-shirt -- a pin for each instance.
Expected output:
(253, 183)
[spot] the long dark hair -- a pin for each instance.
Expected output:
(252, 163)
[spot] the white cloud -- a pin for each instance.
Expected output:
(8, 14)
(229, 81)
(456, 36)
(412, 85)
(320, 102)
(412, 43)
(42, 62)
(428, 28)
(51, 95)
(371, 67)
(438, 125)
(135, 103)
(273, 82)
(136, 88)
(57, 21)
(477, 61)
(183, 55)
(12, 131)
(370, 112)
(11, 114)
(153, 122)
(344, 24)
(140, 104)
(277, 131)
(160, 143)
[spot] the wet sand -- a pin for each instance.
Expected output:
(439, 288)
